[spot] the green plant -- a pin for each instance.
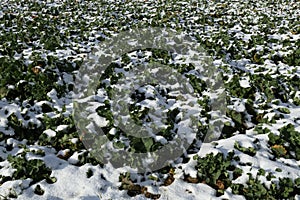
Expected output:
(214, 170)
(34, 168)
(250, 150)
(286, 188)
(89, 173)
(38, 190)
(287, 143)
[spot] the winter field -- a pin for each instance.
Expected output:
(254, 45)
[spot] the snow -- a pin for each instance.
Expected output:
(50, 133)
(61, 127)
(183, 190)
(72, 181)
(100, 121)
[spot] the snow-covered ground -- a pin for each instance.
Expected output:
(254, 44)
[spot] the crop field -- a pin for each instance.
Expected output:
(44, 153)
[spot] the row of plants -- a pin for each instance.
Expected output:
(218, 171)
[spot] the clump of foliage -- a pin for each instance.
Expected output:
(62, 139)
(250, 150)
(286, 188)
(34, 168)
(135, 189)
(287, 143)
(214, 170)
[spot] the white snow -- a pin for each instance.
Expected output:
(245, 83)
(61, 127)
(100, 121)
(50, 133)
(72, 181)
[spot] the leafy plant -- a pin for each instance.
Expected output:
(135, 189)
(34, 168)
(287, 143)
(255, 189)
(89, 173)
(250, 151)
(278, 150)
(38, 190)
(214, 170)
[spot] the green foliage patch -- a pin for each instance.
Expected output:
(287, 143)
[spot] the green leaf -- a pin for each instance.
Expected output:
(148, 142)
